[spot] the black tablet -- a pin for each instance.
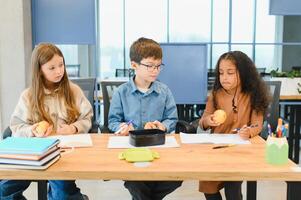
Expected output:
(147, 137)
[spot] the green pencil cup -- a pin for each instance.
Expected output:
(276, 151)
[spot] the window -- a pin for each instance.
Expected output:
(242, 20)
(189, 20)
(267, 56)
(223, 24)
(220, 21)
(217, 51)
(76, 60)
(144, 19)
(70, 53)
(111, 44)
(247, 49)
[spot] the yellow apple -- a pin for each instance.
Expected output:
(42, 127)
(220, 116)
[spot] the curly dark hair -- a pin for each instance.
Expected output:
(251, 82)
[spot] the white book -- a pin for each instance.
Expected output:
(34, 167)
(76, 140)
(30, 162)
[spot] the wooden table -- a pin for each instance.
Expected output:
(290, 97)
(189, 162)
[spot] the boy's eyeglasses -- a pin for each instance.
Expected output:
(151, 68)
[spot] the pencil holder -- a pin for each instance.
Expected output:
(276, 150)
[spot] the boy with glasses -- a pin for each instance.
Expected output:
(144, 103)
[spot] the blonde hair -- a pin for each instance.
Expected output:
(42, 54)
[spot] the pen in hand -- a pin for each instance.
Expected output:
(121, 128)
(252, 126)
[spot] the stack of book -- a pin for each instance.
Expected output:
(28, 153)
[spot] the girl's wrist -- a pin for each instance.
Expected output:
(204, 125)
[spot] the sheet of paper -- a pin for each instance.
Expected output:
(118, 142)
(212, 139)
(78, 140)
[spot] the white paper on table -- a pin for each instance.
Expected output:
(77, 140)
(212, 139)
(117, 142)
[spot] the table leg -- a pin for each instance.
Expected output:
(293, 191)
(251, 190)
(297, 133)
(42, 190)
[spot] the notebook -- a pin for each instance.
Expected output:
(23, 145)
(34, 167)
(29, 156)
(30, 162)
(77, 140)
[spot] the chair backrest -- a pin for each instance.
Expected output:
(210, 79)
(273, 110)
(7, 133)
(73, 70)
(88, 87)
(123, 72)
(107, 88)
(296, 68)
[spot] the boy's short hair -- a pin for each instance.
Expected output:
(145, 48)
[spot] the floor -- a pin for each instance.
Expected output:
(111, 190)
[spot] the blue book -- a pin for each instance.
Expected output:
(23, 145)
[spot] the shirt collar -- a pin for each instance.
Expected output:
(154, 87)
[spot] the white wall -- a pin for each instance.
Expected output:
(15, 51)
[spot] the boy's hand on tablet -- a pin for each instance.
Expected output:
(159, 125)
(150, 125)
(155, 125)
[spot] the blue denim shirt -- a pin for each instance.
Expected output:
(128, 103)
